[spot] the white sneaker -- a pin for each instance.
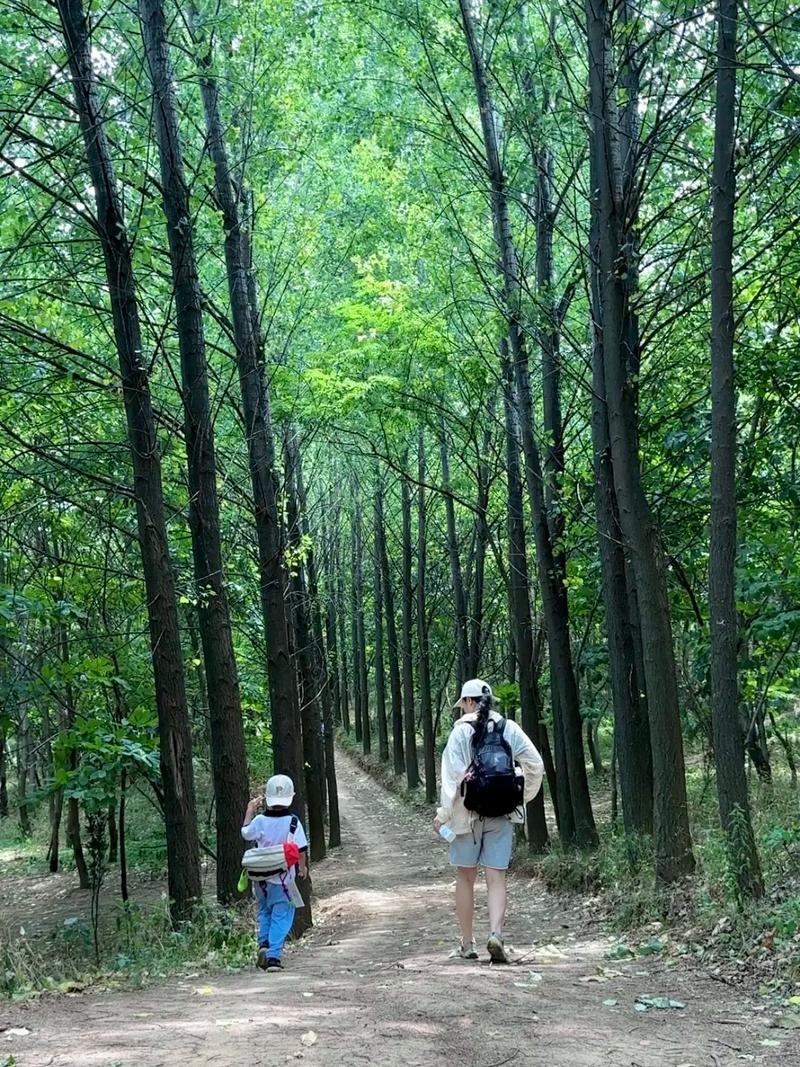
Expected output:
(496, 949)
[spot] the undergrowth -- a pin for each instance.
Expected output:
(142, 948)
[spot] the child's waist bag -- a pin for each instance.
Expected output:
(261, 863)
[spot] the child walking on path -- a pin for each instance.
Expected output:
(275, 894)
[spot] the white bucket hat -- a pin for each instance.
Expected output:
(280, 791)
(473, 688)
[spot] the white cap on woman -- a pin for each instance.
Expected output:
(474, 688)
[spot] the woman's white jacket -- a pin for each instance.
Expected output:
(457, 758)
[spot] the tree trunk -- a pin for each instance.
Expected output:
(55, 832)
(284, 704)
(310, 713)
(3, 774)
(113, 835)
(593, 748)
(395, 684)
(785, 742)
(426, 710)
(228, 756)
(409, 714)
(568, 725)
(328, 699)
(358, 699)
(123, 848)
(631, 728)
(363, 667)
(360, 673)
(74, 841)
(340, 621)
(728, 736)
(183, 850)
(23, 755)
(673, 847)
(380, 673)
(481, 544)
(519, 590)
(463, 659)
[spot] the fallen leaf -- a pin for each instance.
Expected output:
(611, 1003)
(17, 1031)
(308, 1039)
(769, 1042)
(205, 991)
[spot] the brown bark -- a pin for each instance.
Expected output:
(673, 847)
(580, 829)
(380, 667)
(519, 595)
(633, 758)
(310, 711)
(228, 756)
(426, 709)
(734, 808)
(183, 850)
(284, 704)
(3, 774)
(395, 682)
(409, 714)
(463, 659)
(324, 676)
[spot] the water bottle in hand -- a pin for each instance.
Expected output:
(446, 833)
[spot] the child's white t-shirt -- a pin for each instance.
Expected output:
(266, 830)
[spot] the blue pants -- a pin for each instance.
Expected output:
(275, 916)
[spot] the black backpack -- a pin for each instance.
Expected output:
(492, 786)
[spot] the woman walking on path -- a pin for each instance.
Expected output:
(483, 840)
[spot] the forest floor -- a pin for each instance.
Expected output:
(373, 983)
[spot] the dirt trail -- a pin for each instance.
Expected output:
(374, 984)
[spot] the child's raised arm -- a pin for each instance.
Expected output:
(250, 813)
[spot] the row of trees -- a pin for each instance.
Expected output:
(421, 342)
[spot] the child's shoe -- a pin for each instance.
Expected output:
(274, 964)
(262, 960)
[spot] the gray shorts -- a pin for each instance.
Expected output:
(488, 845)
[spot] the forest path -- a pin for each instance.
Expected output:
(373, 984)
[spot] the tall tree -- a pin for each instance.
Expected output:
(395, 683)
(284, 706)
(463, 658)
(183, 848)
(673, 846)
(580, 828)
(305, 656)
(728, 728)
(631, 728)
(519, 594)
(380, 667)
(426, 708)
(409, 708)
(228, 757)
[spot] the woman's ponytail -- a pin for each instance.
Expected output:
(485, 706)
